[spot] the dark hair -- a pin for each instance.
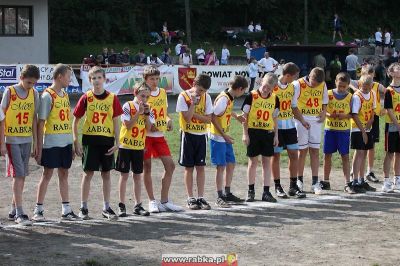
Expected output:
(239, 82)
(343, 77)
(290, 68)
(318, 73)
(141, 50)
(202, 80)
(30, 71)
(60, 69)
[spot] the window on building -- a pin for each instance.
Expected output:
(16, 21)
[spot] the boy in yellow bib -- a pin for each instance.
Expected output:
(136, 121)
(20, 104)
(100, 138)
(260, 133)
(337, 129)
(55, 149)
(392, 130)
(222, 155)
(195, 109)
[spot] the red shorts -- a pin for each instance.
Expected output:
(156, 147)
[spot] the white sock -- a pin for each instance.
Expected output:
(39, 207)
(66, 208)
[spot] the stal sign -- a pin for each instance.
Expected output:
(8, 72)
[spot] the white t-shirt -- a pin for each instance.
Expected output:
(356, 105)
(378, 36)
(251, 28)
(258, 27)
(296, 86)
(157, 61)
(387, 38)
(248, 53)
(181, 106)
(155, 134)
(200, 53)
(178, 49)
(185, 58)
(225, 54)
(2, 116)
(219, 108)
(164, 29)
(268, 63)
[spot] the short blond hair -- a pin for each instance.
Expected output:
(366, 80)
(96, 69)
(270, 79)
(367, 70)
(394, 67)
(139, 87)
(318, 74)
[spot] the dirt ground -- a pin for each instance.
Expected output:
(332, 229)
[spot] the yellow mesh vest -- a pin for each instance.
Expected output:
(224, 120)
(261, 112)
(134, 138)
(336, 106)
(59, 120)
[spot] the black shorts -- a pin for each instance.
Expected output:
(95, 159)
(378, 43)
(129, 160)
(357, 142)
(201, 60)
(375, 129)
(57, 157)
(392, 142)
(261, 143)
(287, 137)
(338, 29)
(193, 150)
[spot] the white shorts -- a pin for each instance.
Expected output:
(309, 138)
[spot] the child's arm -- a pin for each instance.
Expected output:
(116, 136)
(129, 123)
(40, 131)
(34, 137)
(77, 145)
(360, 126)
(276, 139)
(239, 118)
(382, 89)
(3, 149)
(226, 137)
(322, 115)
(245, 137)
(297, 114)
(369, 123)
(203, 118)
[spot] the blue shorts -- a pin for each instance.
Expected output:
(336, 141)
(221, 153)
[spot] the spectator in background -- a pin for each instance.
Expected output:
(352, 64)
(337, 28)
(268, 63)
(154, 60)
(251, 27)
(380, 73)
(140, 58)
(390, 59)
(186, 58)
(253, 72)
(378, 39)
(112, 57)
(105, 55)
(255, 45)
(248, 50)
(279, 69)
(124, 57)
(319, 61)
(178, 47)
(388, 38)
(335, 66)
(165, 56)
(165, 33)
(211, 58)
(225, 55)
(258, 27)
(200, 54)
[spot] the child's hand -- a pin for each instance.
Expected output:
(321, 116)
(276, 141)
(3, 149)
(112, 149)
(78, 149)
(34, 151)
(141, 108)
(153, 128)
(305, 124)
(246, 140)
(365, 137)
(341, 116)
(38, 157)
(228, 139)
(170, 126)
(241, 118)
(382, 112)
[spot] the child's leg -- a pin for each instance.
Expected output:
(169, 168)
(106, 189)
(201, 179)
(371, 158)
(137, 188)
(357, 161)
(188, 175)
(266, 170)
(314, 161)
(397, 164)
(302, 161)
(252, 170)
(18, 188)
(230, 167)
(293, 162)
(148, 183)
(219, 179)
(122, 186)
(63, 184)
(387, 163)
(346, 167)
(85, 187)
(362, 166)
(43, 183)
(276, 168)
(327, 165)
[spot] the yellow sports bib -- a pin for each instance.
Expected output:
(336, 106)
(159, 109)
(194, 126)
(310, 99)
(134, 138)
(375, 88)
(261, 111)
(366, 110)
(59, 121)
(396, 105)
(224, 120)
(19, 114)
(99, 116)
(285, 96)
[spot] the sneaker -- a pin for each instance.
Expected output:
(11, 216)
(203, 204)
(193, 204)
(348, 188)
(139, 210)
(267, 196)
(171, 207)
(70, 217)
(387, 187)
(38, 216)
(296, 192)
(371, 177)
(358, 188)
(221, 203)
(232, 198)
(109, 214)
(121, 210)
(396, 185)
(367, 187)
(23, 220)
(251, 195)
(300, 185)
(325, 185)
(153, 206)
(317, 189)
(161, 207)
(280, 193)
(84, 214)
